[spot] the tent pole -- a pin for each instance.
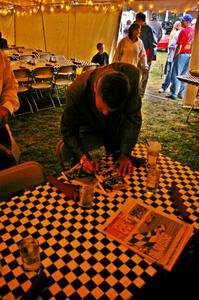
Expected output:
(43, 28)
(15, 33)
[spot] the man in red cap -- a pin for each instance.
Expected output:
(181, 57)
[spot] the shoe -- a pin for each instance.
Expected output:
(170, 97)
(180, 97)
(161, 90)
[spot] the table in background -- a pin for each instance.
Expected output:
(194, 81)
(188, 78)
(79, 260)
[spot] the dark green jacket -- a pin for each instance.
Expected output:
(81, 114)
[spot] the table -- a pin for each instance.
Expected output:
(188, 78)
(194, 81)
(79, 260)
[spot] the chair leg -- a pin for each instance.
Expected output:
(187, 120)
(59, 153)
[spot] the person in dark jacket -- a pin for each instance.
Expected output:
(3, 42)
(103, 108)
(101, 57)
(150, 44)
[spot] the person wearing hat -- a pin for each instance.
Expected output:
(103, 108)
(181, 57)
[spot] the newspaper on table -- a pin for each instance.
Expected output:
(156, 236)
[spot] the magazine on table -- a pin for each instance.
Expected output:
(157, 236)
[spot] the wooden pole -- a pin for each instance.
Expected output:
(15, 32)
(43, 29)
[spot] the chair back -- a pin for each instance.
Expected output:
(22, 75)
(45, 56)
(26, 57)
(89, 67)
(67, 70)
(45, 73)
(20, 177)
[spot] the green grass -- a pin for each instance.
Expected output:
(165, 120)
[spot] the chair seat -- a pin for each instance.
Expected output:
(41, 85)
(22, 89)
(62, 81)
(44, 76)
(24, 79)
(65, 73)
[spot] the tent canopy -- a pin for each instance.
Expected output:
(156, 5)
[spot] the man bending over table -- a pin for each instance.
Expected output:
(103, 108)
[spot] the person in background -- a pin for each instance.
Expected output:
(3, 42)
(131, 49)
(182, 57)
(150, 44)
(126, 28)
(156, 26)
(103, 108)
(101, 57)
(9, 103)
(171, 49)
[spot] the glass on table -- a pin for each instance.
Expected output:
(153, 150)
(86, 196)
(153, 176)
(29, 250)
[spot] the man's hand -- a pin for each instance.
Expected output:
(89, 166)
(125, 165)
(4, 115)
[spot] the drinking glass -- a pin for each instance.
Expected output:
(86, 196)
(29, 250)
(153, 150)
(152, 181)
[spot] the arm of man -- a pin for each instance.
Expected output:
(70, 127)
(142, 57)
(132, 114)
(9, 100)
(152, 42)
(75, 114)
(132, 120)
(179, 43)
(118, 52)
(106, 60)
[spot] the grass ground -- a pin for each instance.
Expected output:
(37, 134)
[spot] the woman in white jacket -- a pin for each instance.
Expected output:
(131, 49)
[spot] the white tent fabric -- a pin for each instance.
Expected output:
(73, 34)
(76, 32)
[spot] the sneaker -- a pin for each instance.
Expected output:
(170, 97)
(180, 97)
(161, 90)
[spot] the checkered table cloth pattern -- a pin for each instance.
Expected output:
(79, 260)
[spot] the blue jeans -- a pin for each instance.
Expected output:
(180, 67)
(167, 78)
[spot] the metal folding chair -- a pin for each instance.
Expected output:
(42, 85)
(64, 77)
(24, 80)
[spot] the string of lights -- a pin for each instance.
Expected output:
(23, 7)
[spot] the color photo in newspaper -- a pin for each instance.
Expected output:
(154, 235)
